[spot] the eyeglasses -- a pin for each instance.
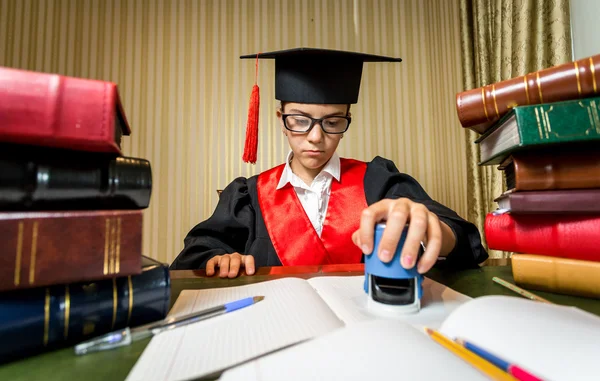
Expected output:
(303, 123)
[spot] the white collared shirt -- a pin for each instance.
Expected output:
(314, 198)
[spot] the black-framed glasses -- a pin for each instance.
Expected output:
(303, 123)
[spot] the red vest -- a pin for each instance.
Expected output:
(294, 238)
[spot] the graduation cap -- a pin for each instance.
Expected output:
(307, 75)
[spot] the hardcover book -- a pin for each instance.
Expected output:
(36, 178)
(527, 127)
(578, 201)
(479, 108)
(60, 111)
(46, 318)
(555, 235)
(570, 167)
(560, 275)
(46, 248)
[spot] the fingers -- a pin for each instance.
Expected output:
(229, 265)
(434, 244)
(396, 221)
(224, 266)
(235, 260)
(210, 265)
(417, 230)
(249, 264)
(368, 218)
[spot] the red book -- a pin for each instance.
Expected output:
(564, 236)
(58, 111)
(47, 248)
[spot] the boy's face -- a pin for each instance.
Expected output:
(313, 149)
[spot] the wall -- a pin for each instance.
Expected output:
(585, 27)
(186, 92)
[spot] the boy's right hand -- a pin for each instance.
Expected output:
(229, 265)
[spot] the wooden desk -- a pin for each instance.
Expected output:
(116, 364)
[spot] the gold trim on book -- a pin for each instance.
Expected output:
(577, 75)
(495, 104)
(130, 298)
(113, 233)
(67, 310)
(19, 254)
(114, 318)
(118, 251)
(593, 70)
(34, 237)
(46, 316)
(539, 125)
(595, 117)
(526, 89)
(484, 107)
(106, 240)
(539, 84)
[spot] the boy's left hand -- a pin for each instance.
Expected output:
(423, 226)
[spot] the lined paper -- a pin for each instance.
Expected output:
(291, 311)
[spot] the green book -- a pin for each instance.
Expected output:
(529, 127)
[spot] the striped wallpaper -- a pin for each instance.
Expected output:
(186, 92)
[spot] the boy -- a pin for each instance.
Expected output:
(317, 208)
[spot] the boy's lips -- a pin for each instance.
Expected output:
(312, 152)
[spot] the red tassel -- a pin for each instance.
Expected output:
(251, 145)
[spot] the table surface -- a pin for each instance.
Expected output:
(116, 364)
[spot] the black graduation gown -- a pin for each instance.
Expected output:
(237, 224)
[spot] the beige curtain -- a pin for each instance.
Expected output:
(502, 39)
(186, 92)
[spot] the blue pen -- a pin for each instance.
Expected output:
(127, 336)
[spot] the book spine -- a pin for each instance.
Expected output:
(44, 248)
(38, 184)
(576, 201)
(563, 276)
(563, 236)
(573, 80)
(561, 122)
(59, 111)
(539, 126)
(548, 172)
(44, 318)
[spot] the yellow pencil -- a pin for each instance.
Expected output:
(482, 365)
(520, 291)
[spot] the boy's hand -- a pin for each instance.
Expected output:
(424, 226)
(229, 265)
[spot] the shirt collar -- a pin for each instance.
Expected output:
(332, 167)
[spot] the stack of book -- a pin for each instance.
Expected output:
(71, 263)
(543, 130)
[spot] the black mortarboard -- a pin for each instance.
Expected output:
(307, 75)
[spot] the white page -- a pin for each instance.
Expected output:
(291, 311)
(371, 350)
(347, 298)
(553, 342)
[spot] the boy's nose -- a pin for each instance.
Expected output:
(315, 135)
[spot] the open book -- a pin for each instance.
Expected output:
(346, 341)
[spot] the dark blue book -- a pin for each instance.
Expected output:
(41, 319)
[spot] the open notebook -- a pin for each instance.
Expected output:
(553, 342)
(293, 310)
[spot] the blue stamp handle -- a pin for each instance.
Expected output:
(392, 269)
(229, 307)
